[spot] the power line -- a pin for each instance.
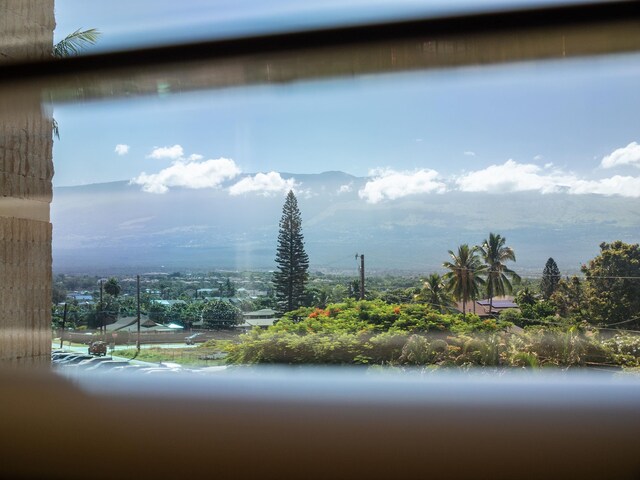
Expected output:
(481, 271)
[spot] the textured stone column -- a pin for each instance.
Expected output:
(26, 171)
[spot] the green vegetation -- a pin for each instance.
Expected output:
(588, 321)
(373, 332)
(208, 354)
(293, 263)
(550, 278)
(219, 314)
(495, 254)
(75, 42)
(464, 279)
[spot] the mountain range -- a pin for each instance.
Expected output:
(116, 227)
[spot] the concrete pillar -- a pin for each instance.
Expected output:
(26, 171)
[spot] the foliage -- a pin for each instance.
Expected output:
(537, 347)
(435, 293)
(525, 297)
(569, 298)
(75, 42)
(208, 354)
(176, 313)
(228, 289)
(625, 349)
(550, 279)
(157, 312)
(291, 259)
(613, 285)
(112, 287)
(103, 313)
(495, 254)
(58, 293)
(464, 276)
(538, 310)
(220, 314)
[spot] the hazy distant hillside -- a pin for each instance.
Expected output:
(116, 227)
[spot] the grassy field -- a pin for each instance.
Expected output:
(208, 354)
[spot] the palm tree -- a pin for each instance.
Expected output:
(495, 254)
(73, 43)
(112, 287)
(464, 278)
(435, 293)
(69, 46)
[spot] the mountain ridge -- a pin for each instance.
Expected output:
(115, 225)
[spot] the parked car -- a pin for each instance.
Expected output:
(191, 339)
(98, 348)
(106, 366)
(75, 359)
(93, 361)
(60, 355)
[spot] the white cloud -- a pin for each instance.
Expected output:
(391, 184)
(208, 174)
(629, 155)
(537, 158)
(194, 157)
(616, 185)
(345, 188)
(469, 153)
(516, 177)
(122, 149)
(263, 184)
(171, 153)
(548, 165)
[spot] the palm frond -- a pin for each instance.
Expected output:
(73, 43)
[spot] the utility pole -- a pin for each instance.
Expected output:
(102, 319)
(361, 276)
(138, 297)
(64, 321)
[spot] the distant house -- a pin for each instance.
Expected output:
(168, 303)
(232, 300)
(203, 292)
(260, 318)
(81, 297)
(130, 324)
(481, 307)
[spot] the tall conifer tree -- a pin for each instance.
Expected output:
(550, 278)
(290, 278)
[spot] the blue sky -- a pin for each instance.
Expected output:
(545, 126)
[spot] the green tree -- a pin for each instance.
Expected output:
(613, 284)
(435, 293)
(103, 313)
(229, 290)
(464, 277)
(525, 297)
(354, 289)
(569, 298)
(220, 314)
(176, 312)
(157, 312)
(191, 314)
(495, 254)
(292, 261)
(112, 287)
(550, 279)
(58, 293)
(317, 297)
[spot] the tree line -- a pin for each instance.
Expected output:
(609, 292)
